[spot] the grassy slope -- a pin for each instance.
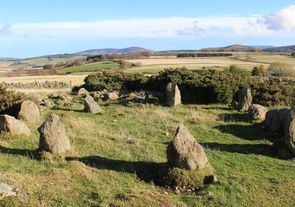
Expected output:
(92, 67)
(249, 175)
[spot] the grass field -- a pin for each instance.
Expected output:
(267, 58)
(156, 64)
(44, 60)
(92, 67)
(248, 172)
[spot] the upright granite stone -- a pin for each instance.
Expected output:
(257, 113)
(275, 120)
(91, 106)
(185, 152)
(53, 137)
(289, 130)
(29, 111)
(13, 126)
(173, 95)
(244, 99)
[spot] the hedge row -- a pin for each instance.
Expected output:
(202, 86)
(186, 55)
(9, 101)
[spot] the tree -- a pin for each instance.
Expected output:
(48, 67)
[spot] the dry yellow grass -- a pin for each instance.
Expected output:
(4, 67)
(155, 64)
(215, 61)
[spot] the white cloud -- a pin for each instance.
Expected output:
(5, 30)
(282, 20)
(159, 27)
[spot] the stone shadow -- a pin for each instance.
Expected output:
(235, 117)
(258, 149)
(33, 154)
(246, 132)
(146, 171)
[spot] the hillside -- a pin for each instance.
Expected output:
(290, 48)
(232, 48)
(113, 51)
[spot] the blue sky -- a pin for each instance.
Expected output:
(33, 27)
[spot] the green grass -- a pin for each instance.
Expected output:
(92, 67)
(104, 170)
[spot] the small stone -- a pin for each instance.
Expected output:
(11, 191)
(257, 113)
(91, 106)
(13, 126)
(29, 111)
(83, 92)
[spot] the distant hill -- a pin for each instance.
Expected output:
(9, 59)
(290, 48)
(234, 48)
(112, 51)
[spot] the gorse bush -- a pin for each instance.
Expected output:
(259, 71)
(273, 91)
(114, 81)
(9, 101)
(200, 86)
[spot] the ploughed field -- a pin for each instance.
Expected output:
(114, 152)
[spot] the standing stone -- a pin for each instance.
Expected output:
(257, 113)
(173, 95)
(244, 99)
(53, 137)
(83, 92)
(185, 152)
(29, 111)
(275, 120)
(289, 131)
(91, 106)
(13, 126)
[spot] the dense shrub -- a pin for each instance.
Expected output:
(137, 64)
(235, 69)
(293, 54)
(201, 86)
(273, 91)
(259, 71)
(48, 67)
(9, 101)
(114, 81)
(124, 64)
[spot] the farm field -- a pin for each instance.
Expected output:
(92, 67)
(267, 58)
(156, 63)
(104, 167)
